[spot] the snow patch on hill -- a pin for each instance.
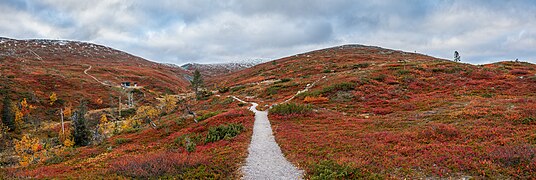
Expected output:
(55, 48)
(217, 69)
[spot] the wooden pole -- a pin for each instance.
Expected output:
(130, 103)
(119, 109)
(62, 126)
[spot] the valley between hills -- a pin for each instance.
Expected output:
(70, 110)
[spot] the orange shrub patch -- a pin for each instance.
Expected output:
(315, 100)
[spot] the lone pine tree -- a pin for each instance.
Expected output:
(80, 133)
(7, 113)
(197, 83)
(457, 56)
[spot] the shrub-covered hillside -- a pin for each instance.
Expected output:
(377, 113)
(154, 141)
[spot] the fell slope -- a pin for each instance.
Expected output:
(143, 152)
(381, 113)
(121, 147)
(33, 69)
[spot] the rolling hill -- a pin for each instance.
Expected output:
(33, 69)
(76, 71)
(346, 112)
(381, 113)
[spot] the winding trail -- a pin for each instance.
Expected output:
(85, 72)
(265, 159)
(309, 86)
(38, 57)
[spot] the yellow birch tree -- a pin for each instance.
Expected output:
(27, 148)
(53, 98)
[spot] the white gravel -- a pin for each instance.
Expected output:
(265, 160)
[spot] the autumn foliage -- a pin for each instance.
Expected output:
(156, 164)
(28, 149)
(53, 98)
(314, 100)
(370, 113)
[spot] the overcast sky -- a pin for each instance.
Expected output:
(180, 31)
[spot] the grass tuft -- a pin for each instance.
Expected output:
(328, 169)
(290, 108)
(207, 115)
(223, 132)
(122, 140)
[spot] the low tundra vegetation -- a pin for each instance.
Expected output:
(173, 149)
(162, 164)
(327, 169)
(317, 99)
(415, 120)
(223, 132)
(374, 118)
(207, 115)
(122, 140)
(290, 108)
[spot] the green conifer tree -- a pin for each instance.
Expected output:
(81, 134)
(197, 83)
(7, 113)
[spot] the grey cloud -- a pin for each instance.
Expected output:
(214, 30)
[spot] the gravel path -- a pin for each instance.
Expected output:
(265, 160)
(304, 90)
(85, 72)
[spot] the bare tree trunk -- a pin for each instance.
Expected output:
(190, 112)
(62, 125)
(131, 99)
(119, 108)
(196, 93)
(128, 99)
(153, 124)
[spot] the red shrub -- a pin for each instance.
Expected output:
(440, 132)
(382, 110)
(41, 172)
(417, 85)
(408, 106)
(359, 94)
(520, 156)
(483, 74)
(391, 81)
(518, 72)
(155, 164)
(446, 130)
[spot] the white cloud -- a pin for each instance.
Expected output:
(22, 23)
(214, 30)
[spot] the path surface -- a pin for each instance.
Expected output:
(265, 159)
(309, 86)
(85, 72)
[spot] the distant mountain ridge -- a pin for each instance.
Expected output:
(218, 69)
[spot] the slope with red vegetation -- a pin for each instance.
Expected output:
(392, 114)
(373, 113)
(33, 69)
(156, 153)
